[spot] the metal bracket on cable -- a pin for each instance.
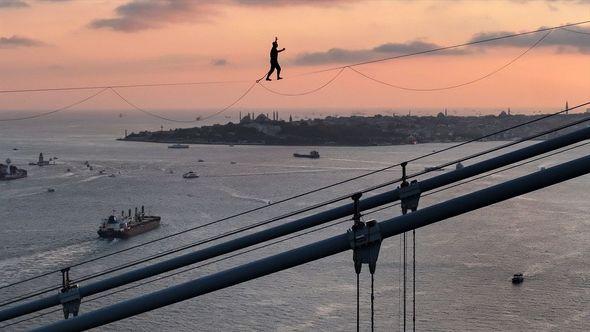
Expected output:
(69, 295)
(365, 240)
(409, 192)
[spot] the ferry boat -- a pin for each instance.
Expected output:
(311, 155)
(125, 226)
(190, 175)
(178, 146)
(11, 172)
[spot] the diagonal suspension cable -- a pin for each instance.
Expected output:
(152, 114)
(372, 211)
(330, 186)
(245, 228)
(56, 110)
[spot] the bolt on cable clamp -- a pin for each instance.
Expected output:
(69, 295)
(409, 196)
(365, 242)
(70, 300)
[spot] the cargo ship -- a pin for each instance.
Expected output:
(311, 155)
(125, 226)
(11, 172)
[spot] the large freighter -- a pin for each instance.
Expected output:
(11, 172)
(125, 226)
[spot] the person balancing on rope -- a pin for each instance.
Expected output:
(274, 60)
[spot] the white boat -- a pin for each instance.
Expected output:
(190, 175)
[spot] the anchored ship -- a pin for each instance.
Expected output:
(125, 226)
(11, 172)
(312, 155)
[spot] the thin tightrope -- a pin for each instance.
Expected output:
(326, 187)
(121, 86)
(304, 92)
(35, 116)
(575, 31)
(444, 48)
(437, 49)
(454, 86)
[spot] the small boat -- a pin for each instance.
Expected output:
(15, 149)
(190, 175)
(200, 160)
(311, 155)
(233, 162)
(178, 146)
(50, 190)
(125, 226)
(517, 278)
(112, 175)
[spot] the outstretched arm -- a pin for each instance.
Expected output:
(281, 50)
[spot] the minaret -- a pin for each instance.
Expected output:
(446, 112)
(567, 108)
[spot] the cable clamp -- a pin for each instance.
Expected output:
(409, 195)
(69, 295)
(365, 242)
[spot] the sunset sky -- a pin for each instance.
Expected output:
(57, 43)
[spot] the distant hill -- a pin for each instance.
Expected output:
(361, 131)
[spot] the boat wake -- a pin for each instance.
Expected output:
(236, 194)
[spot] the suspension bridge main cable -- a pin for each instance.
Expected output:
(266, 245)
(454, 86)
(268, 221)
(327, 187)
(370, 212)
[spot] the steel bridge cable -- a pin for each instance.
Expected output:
(460, 183)
(330, 186)
(304, 92)
(454, 86)
(188, 269)
(372, 211)
(81, 101)
(265, 222)
(438, 49)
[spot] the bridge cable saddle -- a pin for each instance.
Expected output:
(69, 295)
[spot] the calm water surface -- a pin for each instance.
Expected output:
(464, 264)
